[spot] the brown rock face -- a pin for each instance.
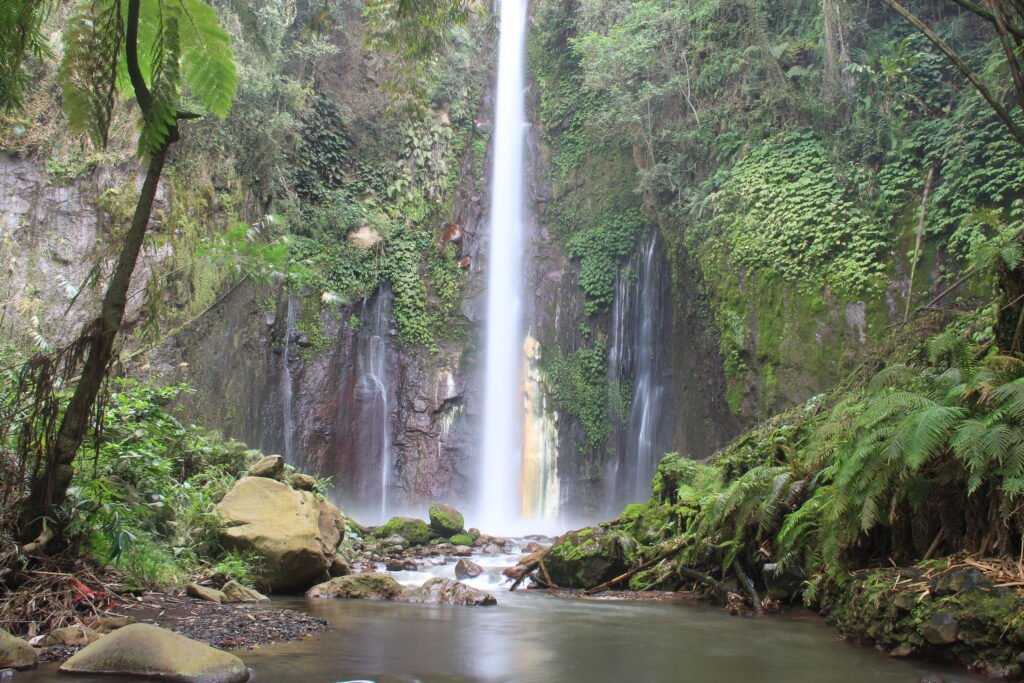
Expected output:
(295, 532)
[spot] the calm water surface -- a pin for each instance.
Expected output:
(531, 637)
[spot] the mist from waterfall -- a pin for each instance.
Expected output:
(499, 496)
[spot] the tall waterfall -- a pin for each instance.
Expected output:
(499, 500)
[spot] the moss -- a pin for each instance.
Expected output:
(446, 520)
(587, 557)
(415, 531)
(461, 539)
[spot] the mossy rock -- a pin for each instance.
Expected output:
(673, 471)
(369, 586)
(413, 530)
(446, 520)
(588, 557)
(646, 522)
(461, 539)
(16, 653)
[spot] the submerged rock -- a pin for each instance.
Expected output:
(440, 591)
(147, 651)
(413, 530)
(588, 557)
(295, 532)
(467, 569)
(446, 520)
(236, 592)
(271, 466)
(369, 586)
(15, 653)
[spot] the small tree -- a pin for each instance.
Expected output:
(155, 52)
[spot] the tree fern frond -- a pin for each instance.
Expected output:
(207, 62)
(88, 70)
(1010, 399)
(924, 433)
(895, 375)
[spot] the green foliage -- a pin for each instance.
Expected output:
(145, 487)
(21, 36)
(579, 387)
(322, 152)
(782, 209)
(599, 249)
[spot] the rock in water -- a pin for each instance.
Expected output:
(446, 520)
(147, 651)
(205, 593)
(369, 586)
(339, 567)
(15, 653)
(467, 569)
(271, 466)
(295, 532)
(588, 557)
(236, 592)
(447, 592)
(413, 530)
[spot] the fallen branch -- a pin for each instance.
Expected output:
(748, 585)
(547, 577)
(646, 565)
(529, 569)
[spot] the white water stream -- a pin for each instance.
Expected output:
(372, 390)
(499, 497)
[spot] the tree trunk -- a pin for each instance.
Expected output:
(51, 486)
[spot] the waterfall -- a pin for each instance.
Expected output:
(288, 418)
(637, 373)
(371, 393)
(499, 497)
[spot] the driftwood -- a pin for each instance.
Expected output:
(623, 577)
(747, 584)
(717, 587)
(547, 577)
(529, 569)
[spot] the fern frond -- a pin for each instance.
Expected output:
(923, 434)
(207, 62)
(88, 71)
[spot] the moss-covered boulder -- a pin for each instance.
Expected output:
(461, 539)
(588, 557)
(446, 520)
(369, 586)
(295, 532)
(151, 652)
(413, 530)
(647, 522)
(15, 653)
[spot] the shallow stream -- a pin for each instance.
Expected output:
(531, 637)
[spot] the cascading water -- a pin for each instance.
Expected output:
(499, 498)
(288, 418)
(371, 392)
(637, 371)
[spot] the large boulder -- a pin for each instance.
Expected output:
(147, 651)
(413, 530)
(15, 653)
(295, 532)
(440, 591)
(368, 586)
(589, 557)
(446, 520)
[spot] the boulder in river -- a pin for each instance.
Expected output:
(194, 590)
(236, 592)
(461, 539)
(446, 520)
(368, 586)
(270, 466)
(147, 651)
(467, 569)
(588, 557)
(413, 530)
(295, 532)
(16, 653)
(440, 591)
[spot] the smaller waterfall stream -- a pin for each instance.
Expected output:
(371, 392)
(637, 373)
(288, 416)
